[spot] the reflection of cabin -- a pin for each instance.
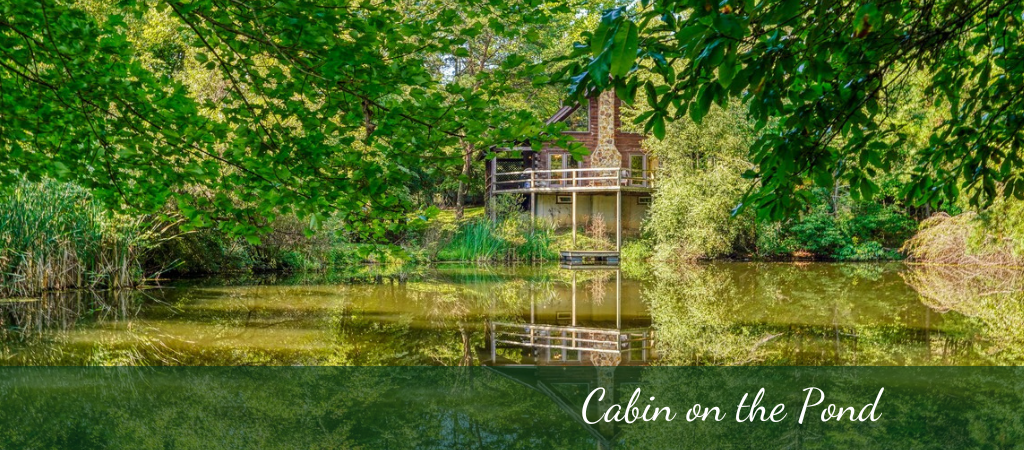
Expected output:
(590, 326)
(614, 181)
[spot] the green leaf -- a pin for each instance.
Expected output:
(652, 95)
(658, 126)
(609, 20)
(624, 49)
(727, 71)
(700, 108)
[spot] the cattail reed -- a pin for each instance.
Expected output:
(54, 236)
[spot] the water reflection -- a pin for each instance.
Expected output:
(805, 314)
(711, 314)
(591, 324)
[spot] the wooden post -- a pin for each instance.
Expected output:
(574, 298)
(533, 317)
(494, 189)
(533, 307)
(574, 219)
(533, 210)
(618, 299)
(618, 219)
(494, 344)
(533, 199)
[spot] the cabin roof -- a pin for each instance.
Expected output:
(563, 113)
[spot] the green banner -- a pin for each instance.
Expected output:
(510, 407)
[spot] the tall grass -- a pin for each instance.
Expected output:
(54, 236)
(511, 240)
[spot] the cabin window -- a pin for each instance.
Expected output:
(579, 120)
(638, 169)
(644, 200)
(638, 163)
(561, 161)
(563, 199)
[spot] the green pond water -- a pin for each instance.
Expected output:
(709, 314)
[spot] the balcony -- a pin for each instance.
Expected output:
(611, 179)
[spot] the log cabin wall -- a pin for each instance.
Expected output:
(626, 143)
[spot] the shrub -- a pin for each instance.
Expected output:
(819, 232)
(855, 231)
(962, 239)
(692, 215)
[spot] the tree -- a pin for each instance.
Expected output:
(821, 78)
(484, 52)
(319, 109)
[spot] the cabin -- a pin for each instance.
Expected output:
(614, 181)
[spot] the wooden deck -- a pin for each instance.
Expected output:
(614, 179)
(595, 259)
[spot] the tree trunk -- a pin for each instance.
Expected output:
(467, 166)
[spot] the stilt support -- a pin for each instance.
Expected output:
(533, 210)
(618, 221)
(574, 221)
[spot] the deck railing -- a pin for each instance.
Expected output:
(573, 179)
(638, 344)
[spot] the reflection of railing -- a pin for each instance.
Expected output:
(569, 343)
(573, 179)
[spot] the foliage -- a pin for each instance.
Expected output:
(691, 216)
(473, 241)
(513, 239)
(635, 256)
(476, 238)
(701, 180)
(263, 108)
(699, 183)
(856, 231)
(55, 236)
(821, 79)
(964, 239)
(286, 247)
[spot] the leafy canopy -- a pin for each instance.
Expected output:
(820, 79)
(247, 110)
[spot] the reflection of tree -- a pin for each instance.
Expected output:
(40, 331)
(992, 297)
(689, 308)
(793, 314)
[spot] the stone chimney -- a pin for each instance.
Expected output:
(606, 155)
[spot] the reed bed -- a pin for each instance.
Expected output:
(963, 240)
(513, 239)
(54, 236)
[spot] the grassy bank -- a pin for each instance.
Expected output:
(54, 236)
(475, 238)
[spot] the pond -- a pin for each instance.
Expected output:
(709, 314)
